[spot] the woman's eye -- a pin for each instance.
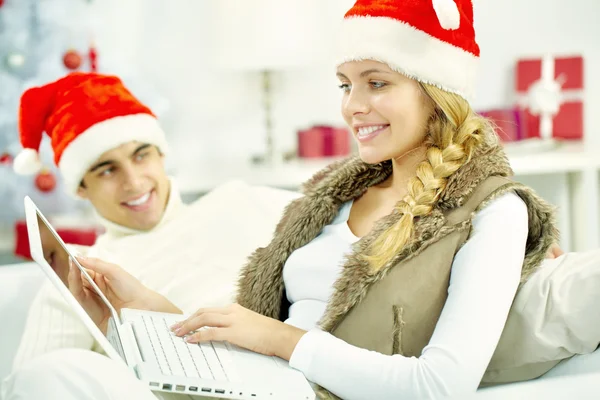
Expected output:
(377, 85)
(345, 87)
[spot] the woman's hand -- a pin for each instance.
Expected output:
(122, 289)
(554, 251)
(242, 327)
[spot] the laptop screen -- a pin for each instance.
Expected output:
(56, 255)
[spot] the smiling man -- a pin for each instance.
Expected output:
(108, 146)
(128, 185)
(110, 150)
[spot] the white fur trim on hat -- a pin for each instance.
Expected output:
(85, 149)
(27, 162)
(410, 51)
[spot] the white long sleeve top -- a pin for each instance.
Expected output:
(484, 279)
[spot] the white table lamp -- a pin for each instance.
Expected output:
(265, 36)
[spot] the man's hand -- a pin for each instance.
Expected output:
(83, 292)
(123, 290)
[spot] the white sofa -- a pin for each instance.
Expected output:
(19, 283)
(579, 376)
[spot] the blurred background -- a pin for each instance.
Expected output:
(246, 89)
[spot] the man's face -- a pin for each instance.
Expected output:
(128, 185)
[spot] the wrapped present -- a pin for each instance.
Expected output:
(323, 141)
(550, 91)
(508, 123)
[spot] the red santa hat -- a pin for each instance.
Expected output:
(432, 41)
(85, 115)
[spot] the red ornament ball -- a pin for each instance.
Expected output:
(72, 60)
(1, 3)
(5, 158)
(45, 181)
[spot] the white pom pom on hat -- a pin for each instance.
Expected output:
(27, 162)
(447, 13)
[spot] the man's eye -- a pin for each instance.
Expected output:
(106, 172)
(141, 156)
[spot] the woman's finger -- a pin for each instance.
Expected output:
(209, 334)
(558, 251)
(213, 310)
(202, 321)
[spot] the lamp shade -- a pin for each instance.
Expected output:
(265, 34)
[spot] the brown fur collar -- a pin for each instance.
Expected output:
(261, 285)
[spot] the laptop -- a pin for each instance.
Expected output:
(143, 341)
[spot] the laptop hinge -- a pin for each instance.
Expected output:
(132, 346)
(112, 334)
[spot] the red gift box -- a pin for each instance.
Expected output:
(568, 122)
(508, 123)
(323, 141)
(85, 236)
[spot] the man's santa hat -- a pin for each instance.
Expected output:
(85, 115)
(432, 41)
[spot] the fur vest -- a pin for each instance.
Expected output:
(404, 299)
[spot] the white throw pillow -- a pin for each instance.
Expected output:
(555, 315)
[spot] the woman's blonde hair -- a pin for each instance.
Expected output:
(454, 131)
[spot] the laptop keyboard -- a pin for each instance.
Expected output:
(207, 360)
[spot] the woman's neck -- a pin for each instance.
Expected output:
(403, 169)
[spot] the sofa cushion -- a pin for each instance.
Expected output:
(553, 317)
(18, 285)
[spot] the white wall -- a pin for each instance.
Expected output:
(216, 115)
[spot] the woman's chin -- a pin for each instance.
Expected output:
(371, 157)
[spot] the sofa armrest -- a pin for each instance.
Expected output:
(18, 285)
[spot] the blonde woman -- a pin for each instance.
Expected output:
(393, 276)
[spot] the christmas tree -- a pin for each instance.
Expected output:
(41, 41)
